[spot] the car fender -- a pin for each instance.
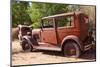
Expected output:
(28, 39)
(72, 38)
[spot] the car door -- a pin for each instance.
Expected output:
(48, 33)
(65, 27)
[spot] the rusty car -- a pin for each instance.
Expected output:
(66, 32)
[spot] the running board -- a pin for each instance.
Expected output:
(47, 48)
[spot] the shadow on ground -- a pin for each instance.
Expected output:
(89, 55)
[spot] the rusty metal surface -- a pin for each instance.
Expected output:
(56, 35)
(49, 36)
(80, 29)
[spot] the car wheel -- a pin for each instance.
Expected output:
(26, 46)
(71, 49)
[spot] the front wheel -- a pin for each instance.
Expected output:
(26, 46)
(71, 49)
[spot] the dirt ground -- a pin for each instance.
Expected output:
(43, 57)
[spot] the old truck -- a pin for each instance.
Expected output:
(66, 32)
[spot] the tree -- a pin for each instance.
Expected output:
(19, 13)
(23, 11)
(39, 10)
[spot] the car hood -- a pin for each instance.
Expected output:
(36, 31)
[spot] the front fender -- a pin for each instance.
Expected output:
(28, 39)
(73, 38)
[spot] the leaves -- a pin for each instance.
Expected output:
(32, 12)
(19, 13)
(39, 10)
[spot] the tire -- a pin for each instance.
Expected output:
(71, 49)
(26, 46)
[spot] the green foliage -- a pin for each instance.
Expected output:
(39, 10)
(36, 25)
(19, 14)
(32, 14)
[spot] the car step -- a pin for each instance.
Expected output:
(47, 48)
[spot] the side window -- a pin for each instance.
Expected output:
(48, 23)
(66, 21)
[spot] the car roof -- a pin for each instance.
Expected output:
(63, 14)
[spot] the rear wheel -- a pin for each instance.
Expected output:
(71, 49)
(26, 46)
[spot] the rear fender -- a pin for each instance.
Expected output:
(72, 38)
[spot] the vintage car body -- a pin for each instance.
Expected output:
(71, 38)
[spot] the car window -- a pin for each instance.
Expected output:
(65, 21)
(48, 23)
